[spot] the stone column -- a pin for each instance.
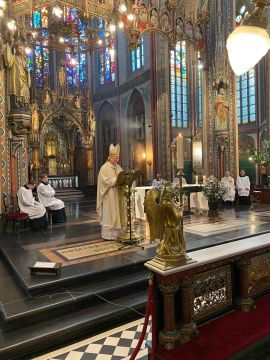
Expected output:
(244, 302)
(169, 337)
(88, 147)
(188, 328)
(34, 143)
(19, 121)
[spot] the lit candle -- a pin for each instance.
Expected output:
(196, 179)
(180, 151)
(204, 179)
(144, 156)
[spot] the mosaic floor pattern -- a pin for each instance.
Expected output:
(262, 213)
(87, 251)
(117, 344)
(217, 227)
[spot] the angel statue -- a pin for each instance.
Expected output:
(165, 224)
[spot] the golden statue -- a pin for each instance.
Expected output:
(165, 221)
(35, 118)
(19, 76)
(221, 109)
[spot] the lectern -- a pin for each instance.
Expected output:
(129, 237)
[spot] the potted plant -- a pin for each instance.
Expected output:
(214, 191)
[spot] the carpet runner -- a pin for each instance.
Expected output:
(223, 337)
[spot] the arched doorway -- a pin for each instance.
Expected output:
(60, 143)
(106, 131)
(136, 132)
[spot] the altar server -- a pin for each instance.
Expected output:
(27, 204)
(228, 182)
(110, 199)
(46, 198)
(243, 188)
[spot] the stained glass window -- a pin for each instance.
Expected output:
(38, 61)
(137, 57)
(75, 55)
(246, 95)
(106, 57)
(179, 96)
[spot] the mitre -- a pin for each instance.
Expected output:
(114, 150)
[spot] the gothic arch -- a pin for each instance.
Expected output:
(136, 131)
(106, 131)
(63, 112)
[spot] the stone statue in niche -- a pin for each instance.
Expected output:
(154, 17)
(62, 74)
(47, 98)
(165, 22)
(77, 102)
(221, 108)
(189, 30)
(179, 27)
(91, 122)
(197, 33)
(19, 77)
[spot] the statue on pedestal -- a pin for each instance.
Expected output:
(221, 108)
(18, 76)
(165, 221)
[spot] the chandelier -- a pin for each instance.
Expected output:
(249, 42)
(135, 17)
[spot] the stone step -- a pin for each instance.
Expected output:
(23, 342)
(32, 309)
(83, 273)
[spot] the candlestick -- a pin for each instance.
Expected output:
(196, 179)
(204, 179)
(180, 151)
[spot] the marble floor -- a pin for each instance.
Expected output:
(116, 344)
(201, 231)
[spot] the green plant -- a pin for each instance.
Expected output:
(259, 157)
(213, 189)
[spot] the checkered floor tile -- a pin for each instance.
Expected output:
(116, 346)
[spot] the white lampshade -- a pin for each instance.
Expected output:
(246, 46)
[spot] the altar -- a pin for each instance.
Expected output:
(195, 199)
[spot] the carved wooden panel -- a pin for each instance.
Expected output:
(212, 291)
(259, 274)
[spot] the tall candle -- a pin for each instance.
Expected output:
(180, 151)
(196, 179)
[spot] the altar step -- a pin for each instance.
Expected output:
(33, 323)
(67, 193)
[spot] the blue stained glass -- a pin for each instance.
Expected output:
(244, 103)
(137, 57)
(38, 61)
(252, 109)
(252, 100)
(106, 60)
(37, 19)
(246, 97)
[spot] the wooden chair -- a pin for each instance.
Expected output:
(16, 217)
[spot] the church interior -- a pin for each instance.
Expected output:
(182, 86)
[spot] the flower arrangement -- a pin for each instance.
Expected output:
(175, 187)
(213, 189)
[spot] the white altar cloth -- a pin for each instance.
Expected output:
(197, 200)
